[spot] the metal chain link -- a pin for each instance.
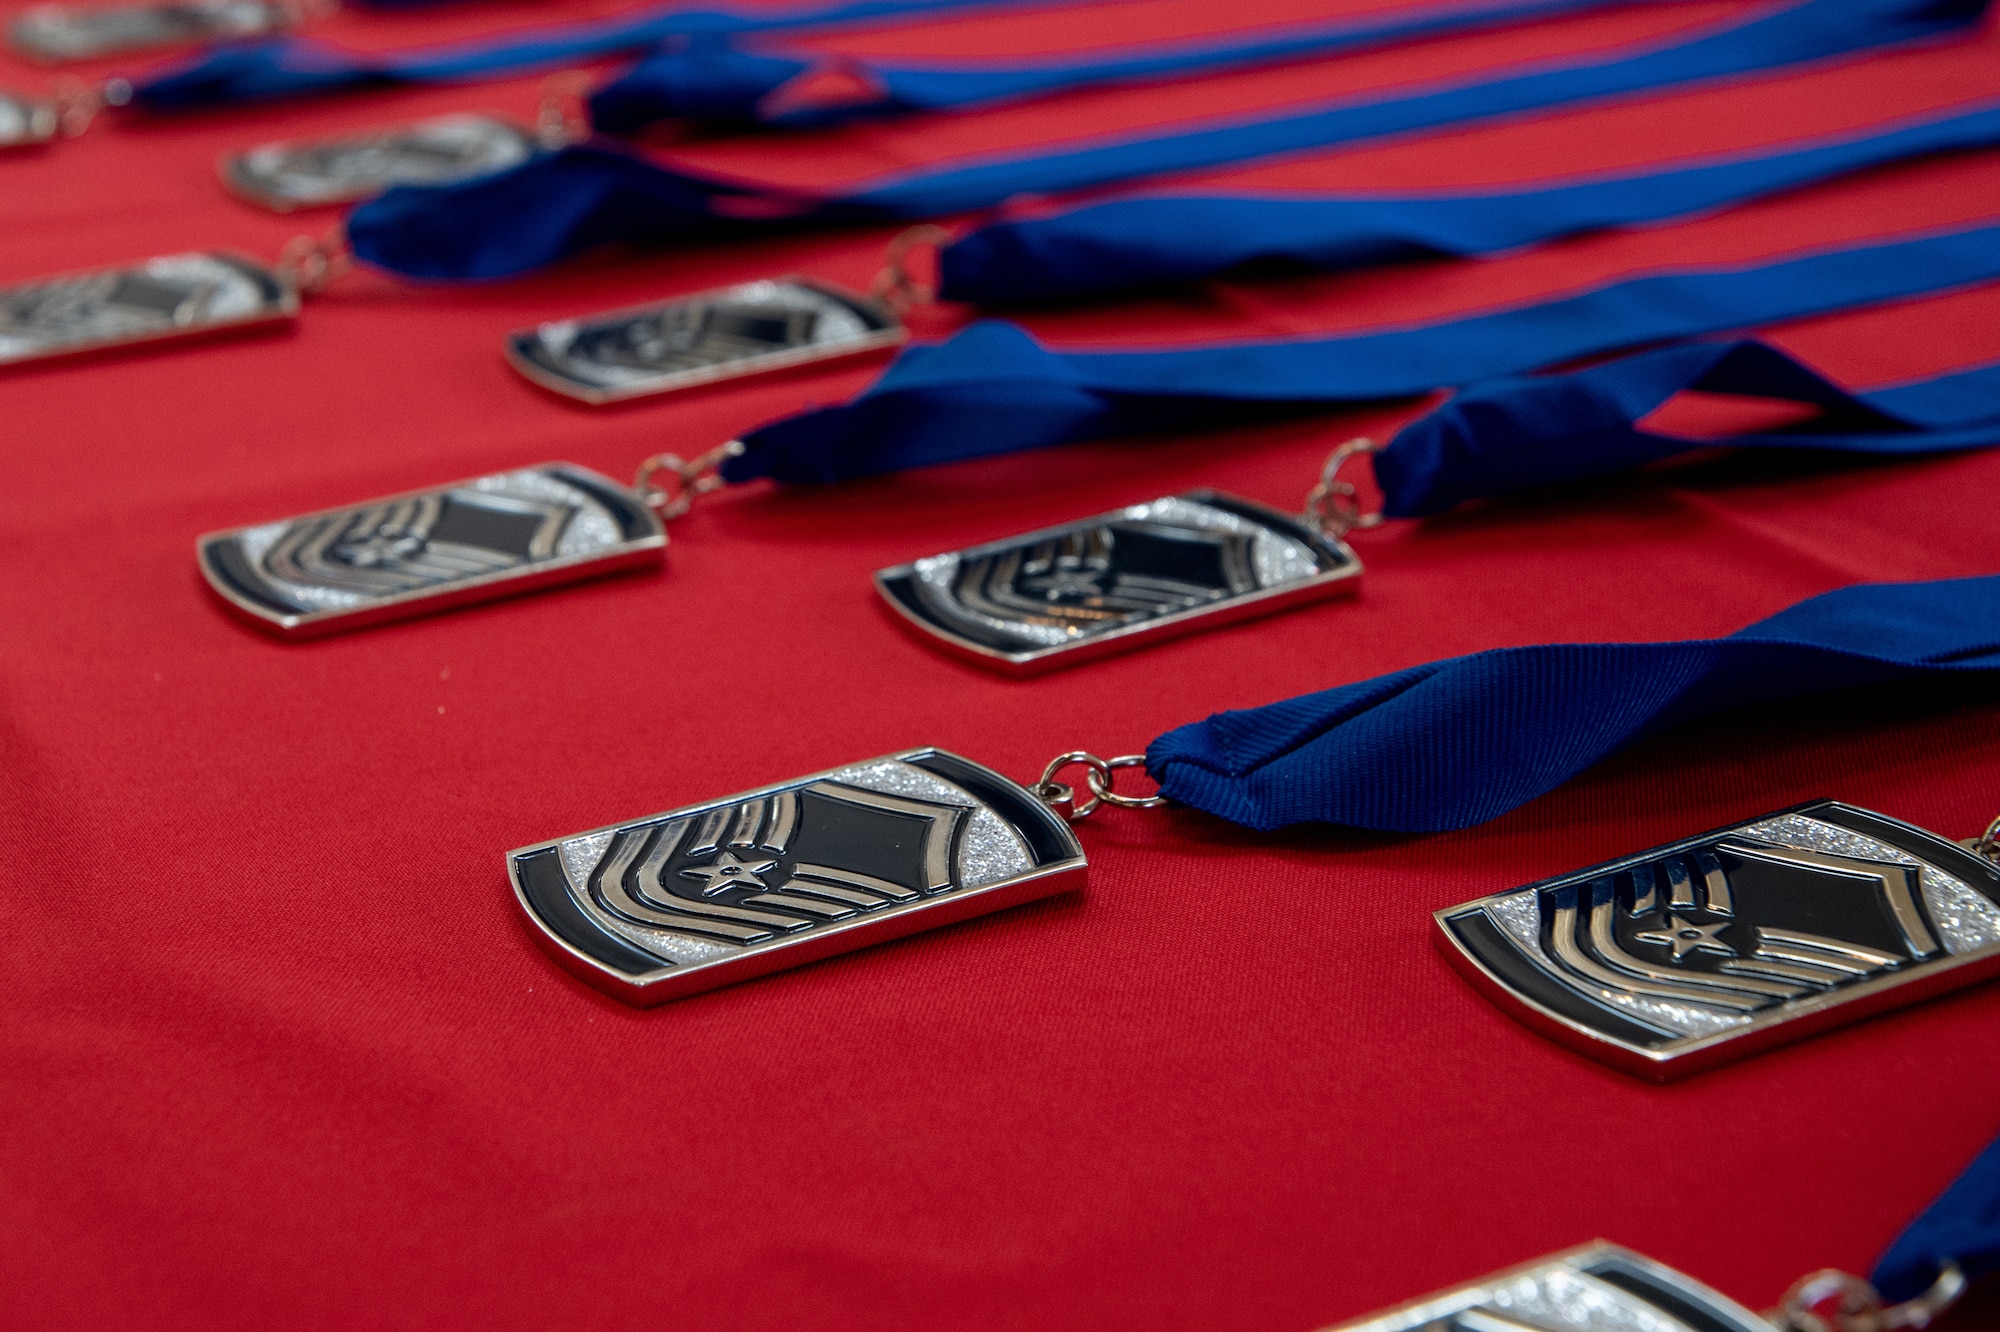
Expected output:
(1333, 506)
(1098, 778)
(689, 479)
(1836, 1301)
(311, 263)
(894, 286)
(1987, 844)
(76, 105)
(560, 116)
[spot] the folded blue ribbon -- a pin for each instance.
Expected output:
(1514, 434)
(277, 67)
(720, 82)
(1138, 242)
(1460, 741)
(563, 202)
(993, 389)
(1962, 1226)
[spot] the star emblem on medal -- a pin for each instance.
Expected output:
(1066, 583)
(727, 871)
(1684, 937)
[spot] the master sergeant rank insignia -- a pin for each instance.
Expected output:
(711, 894)
(1719, 945)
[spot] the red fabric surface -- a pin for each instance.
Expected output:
(276, 1051)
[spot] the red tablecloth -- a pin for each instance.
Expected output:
(276, 1050)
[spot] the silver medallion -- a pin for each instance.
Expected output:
(715, 893)
(430, 550)
(309, 173)
(174, 296)
(1596, 1288)
(26, 121)
(58, 33)
(1713, 947)
(1118, 580)
(699, 339)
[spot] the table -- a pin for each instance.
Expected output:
(278, 1050)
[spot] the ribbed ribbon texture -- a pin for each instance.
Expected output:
(1515, 434)
(1963, 1225)
(992, 389)
(1457, 742)
(1150, 240)
(557, 204)
(279, 67)
(723, 82)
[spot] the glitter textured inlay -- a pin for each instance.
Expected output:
(1966, 921)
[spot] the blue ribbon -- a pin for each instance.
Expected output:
(1963, 1226)
(1130, 243)
(720, 82)
(992, 389)
(1456, 742)
(555, 205)
(1515, 434)
(277, 67)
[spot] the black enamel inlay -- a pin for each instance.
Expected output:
(1159, 553)
(633, 520)
(547, 889)
(1953, 859)
(1500, 955)
(1634, 1280)
(225, 561)
(1330, 557)
(488, 528)
(834, 833)
(1048, 838)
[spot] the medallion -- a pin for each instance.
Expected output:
(1596, 1288)
(25, 121)
(1714, 947)
(309, 173)
(428, 550)
(712, 335)
(174, 296)
(1148, 571)
(715, 893)
(57, 33)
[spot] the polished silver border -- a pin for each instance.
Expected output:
(892, 922)
(34, 119)
(640, 552)
(895, 335)
(1269, 601)
(1457, 1308)
(1794, 1020)
(60, 34)
(279, 305)
(233, 167)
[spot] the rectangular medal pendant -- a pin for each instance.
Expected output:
(26, 122)
(726, 333)
(719, 892)
(309, 173)
(1721, 945)
(158, 300)
(430, 550)
(1595, 1288)
(1116, 581)
(55, 34)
